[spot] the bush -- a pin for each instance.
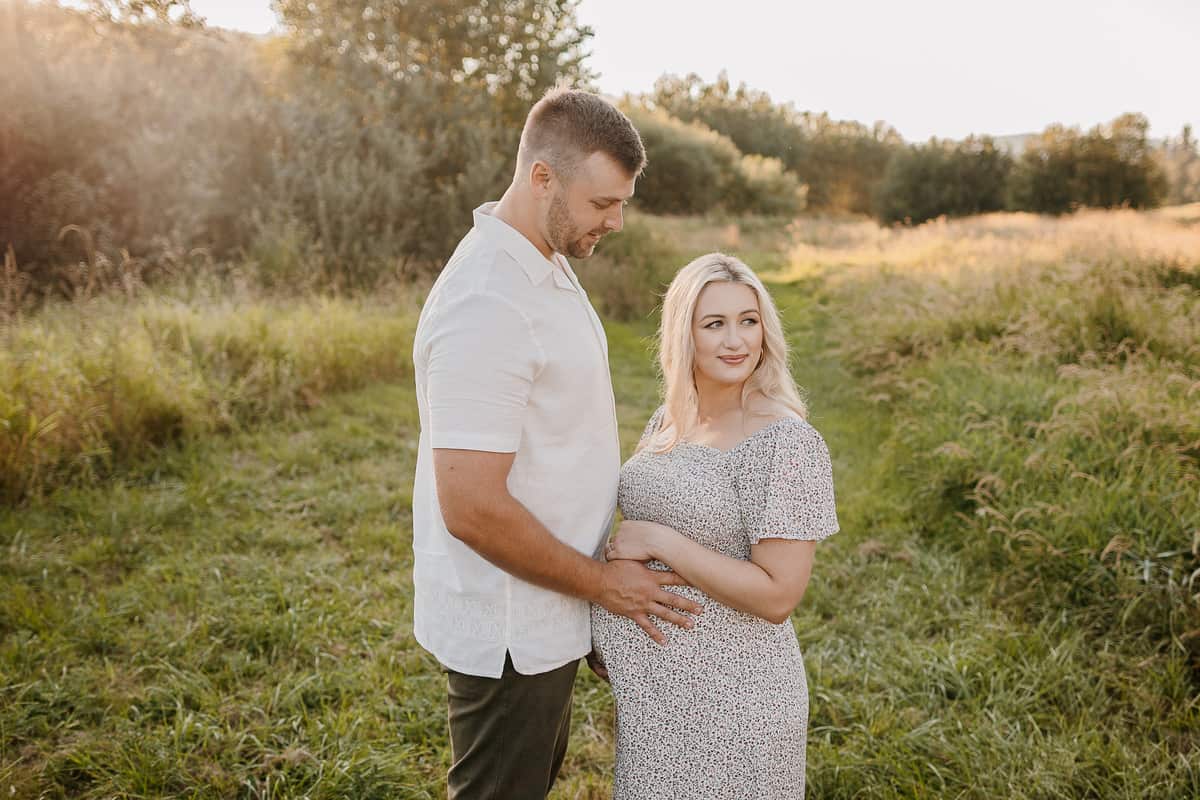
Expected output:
(84, 387)
(762, 186)
(321, 164)
(942, 178)
(839, 161)
(150, 138)
(691, 169)
(630, 271)
(1111, 165)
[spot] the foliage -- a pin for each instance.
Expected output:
(178, 12)
(1110, 165)
(839, 162)
(943, 178)
(1181, 163)
(630, 271)
(367, 196)
(1043, 376)
(688, 166)
(149, 138)
(512, 51)
(157, 140)
(692, 169)
(88, 386)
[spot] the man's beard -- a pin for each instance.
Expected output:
(563, 235)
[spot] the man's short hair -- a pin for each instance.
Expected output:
(568, 125)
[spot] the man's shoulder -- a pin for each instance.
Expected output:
(479, 266)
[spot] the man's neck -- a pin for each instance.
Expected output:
(513, 211)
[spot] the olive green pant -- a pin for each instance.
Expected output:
(508, 735)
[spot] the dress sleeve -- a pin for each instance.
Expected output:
(652, 427)
(795, 497)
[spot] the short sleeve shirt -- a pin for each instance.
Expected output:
(510, 357)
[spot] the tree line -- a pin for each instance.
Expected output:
(850, 167)
(353, 146)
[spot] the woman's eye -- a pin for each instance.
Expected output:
(714, 324)
(749, 321)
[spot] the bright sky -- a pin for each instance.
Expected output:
(929, 67)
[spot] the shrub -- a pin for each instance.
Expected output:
(942, 178)
(689, 167)
(156, 140)
(84, 387)
(839, 161)
(1111, 165)
(692, 169)
(630, 271)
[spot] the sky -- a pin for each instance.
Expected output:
(944, 68)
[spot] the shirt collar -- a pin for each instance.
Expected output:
(536, 265)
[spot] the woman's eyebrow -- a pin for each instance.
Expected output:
(722, 316)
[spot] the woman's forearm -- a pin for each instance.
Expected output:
(741, 585)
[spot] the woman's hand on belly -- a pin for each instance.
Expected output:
(769, 585)
(638, 540)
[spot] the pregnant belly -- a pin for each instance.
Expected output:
(720, 635)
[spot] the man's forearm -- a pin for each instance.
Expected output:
(509, 536)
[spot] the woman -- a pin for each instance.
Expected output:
(731, 489)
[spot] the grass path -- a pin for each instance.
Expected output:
(236, 621)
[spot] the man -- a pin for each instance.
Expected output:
(518, 459)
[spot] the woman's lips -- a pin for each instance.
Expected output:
(733, 361)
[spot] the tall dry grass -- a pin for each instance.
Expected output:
(1046, 376)
(90, 385)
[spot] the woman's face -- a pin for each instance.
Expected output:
(727, 330)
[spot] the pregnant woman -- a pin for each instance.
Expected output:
(731, 488)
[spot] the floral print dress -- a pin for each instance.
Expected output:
(722, 710)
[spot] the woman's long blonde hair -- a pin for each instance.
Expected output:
(677, 348)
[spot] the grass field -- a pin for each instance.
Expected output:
(1010, 609)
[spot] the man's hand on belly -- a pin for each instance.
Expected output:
(631, 589)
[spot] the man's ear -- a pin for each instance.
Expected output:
(541, 178)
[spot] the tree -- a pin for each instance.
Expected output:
(1111, 165)
(1181, 164)
(511, 50)
(839, 161)
(692, 169)
(954, 179)
(141, 11)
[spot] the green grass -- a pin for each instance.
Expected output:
(89, 387)
(232, 616)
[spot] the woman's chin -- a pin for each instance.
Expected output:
(725, 377)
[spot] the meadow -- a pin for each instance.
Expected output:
(205, 582)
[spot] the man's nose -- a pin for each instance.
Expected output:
(616, 220)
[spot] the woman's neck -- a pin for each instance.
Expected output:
(717, 400)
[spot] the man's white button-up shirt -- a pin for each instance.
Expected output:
(510, 357)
